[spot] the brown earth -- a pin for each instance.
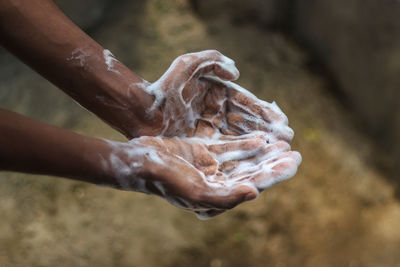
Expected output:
(339, 210)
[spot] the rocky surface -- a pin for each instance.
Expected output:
(359, 42)
(338, 211)
(264, 12)
(87, 14)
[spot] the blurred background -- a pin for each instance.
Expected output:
(334, 69)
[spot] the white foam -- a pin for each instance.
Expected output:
(234, 156)
(168, 89)
(80, 55)
(109, 60)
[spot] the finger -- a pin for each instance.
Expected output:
(243, 100)
(208, 62)
(213, 63)
(277, 171)
(229, 132)
(284, 133)
(244, 123)
(150, 141)
(229, 197)
(245, 136)
(237, 150)
(214, 106)
(224, 69)
(249, 171)
(256, 142)
(288, 155)
(202, 159)
(195, 153)
(204, 129)
(268, 152)
(214, 100)
(251, 113)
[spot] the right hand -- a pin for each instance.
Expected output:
(206, 178)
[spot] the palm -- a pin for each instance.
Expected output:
(217, 175)
(196, 88)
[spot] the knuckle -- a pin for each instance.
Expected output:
(283, 145)
(215, 52)
(289, 133)
(184, 59)
(261, 137)
(258, 143)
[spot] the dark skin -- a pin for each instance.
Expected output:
(33, 147)
(55, 47)
(46, 38)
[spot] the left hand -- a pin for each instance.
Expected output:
(197, 87)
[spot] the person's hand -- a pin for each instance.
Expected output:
(202, 175)
(233, 110)
(196, 88)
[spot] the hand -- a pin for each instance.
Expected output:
(201, 175)
(235, 111)
(196, 88)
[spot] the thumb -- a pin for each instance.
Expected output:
(222, 68)
(238, 194)
(208, 63)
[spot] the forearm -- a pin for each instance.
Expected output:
(33, 147)
(38, 33)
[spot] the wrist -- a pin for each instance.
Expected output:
(106, 87)
(121, 99)
(118, 164)
(98, 161)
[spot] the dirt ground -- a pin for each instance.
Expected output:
(339, 210)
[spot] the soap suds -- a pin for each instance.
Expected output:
(78, 54)
(109, 60)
